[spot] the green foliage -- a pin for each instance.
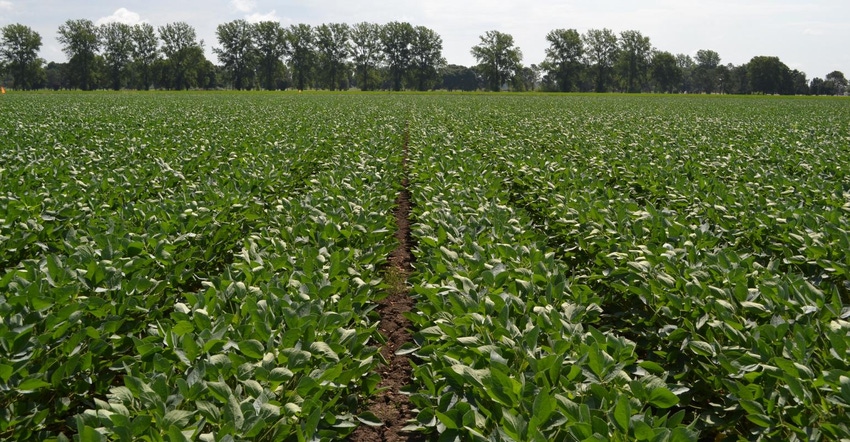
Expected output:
(633, 63)
(665, 71)
(366, 53)
(206, 267)
(19, 46)
(564, 57)
(301, 49)
(117, 42)
(768, 75)
(396, 39)
(601, 48)
(333, 49)
(498, 58)
(238, 53)
(184, 56)
(631, 269)
(208, 273)
(80, 42)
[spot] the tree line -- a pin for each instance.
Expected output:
(370, 56)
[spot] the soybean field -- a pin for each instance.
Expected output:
(223, 267)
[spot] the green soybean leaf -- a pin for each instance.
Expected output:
(32, 384)
(622, 414)
(370, 419)
(178, 418)
(252, 348)
(663, 398)
(325, 350)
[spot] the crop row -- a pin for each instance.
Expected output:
(507, 345)
(206, 267)
(711, 244)
(207, 280)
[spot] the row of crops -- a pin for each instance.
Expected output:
(614, 269)
(206, 267)
(191, 269)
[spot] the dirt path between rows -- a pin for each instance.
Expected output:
(391, 406)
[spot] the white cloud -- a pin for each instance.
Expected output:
(122, 15)
(243, 5)
(258, 17)
(814, 32)
(6, 5)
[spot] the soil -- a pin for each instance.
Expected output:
(390, 405)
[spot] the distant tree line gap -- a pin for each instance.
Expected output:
(368, 56)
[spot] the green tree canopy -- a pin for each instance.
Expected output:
(705, 73)
(426, 53)
(799, 82)
(181, 49)
(80, 42)
(270, 38)
(145, 52)
(117, 42)
(237, 53)
(19, 46)
(333, 51)
(563, 57)
(838, 82)
(635, 50)
(396, 38)
(302, 53)
(665, 71)
(366, 52)
(769, 75)
(498, 58)
(601, 53)
(456, 77)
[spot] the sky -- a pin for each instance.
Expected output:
(811, 36)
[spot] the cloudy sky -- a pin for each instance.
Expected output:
(811, 35)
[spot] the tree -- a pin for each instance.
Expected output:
(181, 51)
(707, 58)
(687, 65)
(117, 42)
(838, 82)
(57, 76)
(819, 86)
(563, 57)
(302, 53)
(739, 80)
(498, 58)
(19, 46)
(145, 52)
(80, 43)
(666, 73)
(202, 73)
(426, 53)
(237, 52)
(705, 73)
(366, 52)
(799, 83)
(270, 38)
(601, 46)
(769, 75)
(333, 49)
(396, 39)
(459, 77)
(634, 52)
(527, 78)
(723, 72)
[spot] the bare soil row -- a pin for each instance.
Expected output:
(390, 405)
